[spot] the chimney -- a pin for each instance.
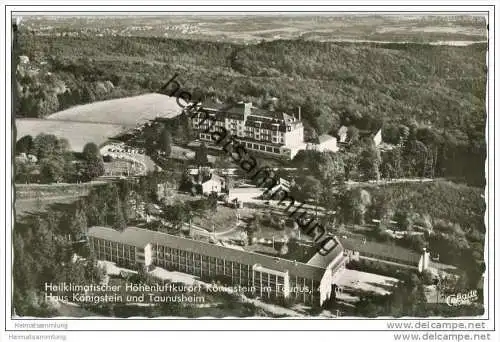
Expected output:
(247, 108)
(300, 118)
(425, 259)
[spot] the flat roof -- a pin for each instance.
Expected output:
(129, 236)
(382, 250)
(140, 237)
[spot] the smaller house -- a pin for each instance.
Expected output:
(282, 185)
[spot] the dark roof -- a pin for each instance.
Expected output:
(368, 133)
(256, 114)
(324, 138)
(382, 250)
(140, 237)
(213, 105)
(130, 237)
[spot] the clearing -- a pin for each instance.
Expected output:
(129, 111)
(77, 133)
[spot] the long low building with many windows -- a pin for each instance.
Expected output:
(271, 277)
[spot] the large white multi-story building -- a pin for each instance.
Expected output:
(273, 133)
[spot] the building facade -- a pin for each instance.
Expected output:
(269, 277)
(272, 133)
(214, 184)
(108, 244)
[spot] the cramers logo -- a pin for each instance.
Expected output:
(263, 176)
(462, 298)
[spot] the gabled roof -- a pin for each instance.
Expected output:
(325, 260)
(382, 250)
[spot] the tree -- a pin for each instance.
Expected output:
(415, 156)
(94, 164)
(351, 160)
(369, 163)
(166, 141)
(177, 214)
(391, 134)
(24, 145)
(118, 218)
(392, 164)
(52, 170)
(201, 155)
(354, 205)
(47, 145)
(331, 168)
(187, 130)
(78, 223)
(253, 227)
(313, 189)
(404, 218)
(352, 134)
(25, 171)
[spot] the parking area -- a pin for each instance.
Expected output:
(120, 151)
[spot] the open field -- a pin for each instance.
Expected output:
(77, 133)
(128, 112)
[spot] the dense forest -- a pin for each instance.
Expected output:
(435, 95)
(438, 89)
(60, 231)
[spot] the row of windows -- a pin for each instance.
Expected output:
(104, 243)
(249, 145)
(266, 284)
(262, 147)
(115, 252)
(208, 271)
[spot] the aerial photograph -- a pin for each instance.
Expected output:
(243, 164)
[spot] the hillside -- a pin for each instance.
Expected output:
(365, 85)
(441, 84)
